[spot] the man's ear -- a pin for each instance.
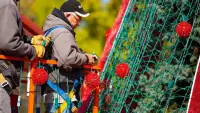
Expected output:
(66, 15)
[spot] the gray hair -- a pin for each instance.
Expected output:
(72, 13)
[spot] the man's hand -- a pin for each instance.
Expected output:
(91, 58)
(40, 50)
(95, 56)
(41, 40)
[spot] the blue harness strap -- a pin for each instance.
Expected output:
(51, 29)
(60, 92)
(63, 95)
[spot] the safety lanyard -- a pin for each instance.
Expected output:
(60, 92)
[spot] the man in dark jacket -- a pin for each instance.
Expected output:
(65, 49)
(12, 43)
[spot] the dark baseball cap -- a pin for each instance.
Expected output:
(74, 6)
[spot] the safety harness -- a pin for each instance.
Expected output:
(3, 82)
(67, 105)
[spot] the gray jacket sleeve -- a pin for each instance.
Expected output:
(10, 35)
(67, 52)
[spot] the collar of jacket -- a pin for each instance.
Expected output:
(56, 12)
(16, 1)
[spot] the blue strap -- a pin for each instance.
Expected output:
(53, 28)
(37, 109)
(60, 92)
(76, 83)
(49, 31)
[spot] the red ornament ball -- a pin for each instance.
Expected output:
(183, 29)
(92, 80)
(105, 84)
(40, 76)
(122, 70)
(135, 8)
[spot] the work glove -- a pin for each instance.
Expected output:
(40, 50)
(40, 40)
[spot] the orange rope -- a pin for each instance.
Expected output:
(95, 108)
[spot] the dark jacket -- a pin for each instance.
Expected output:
(11, 36)
(64, 49)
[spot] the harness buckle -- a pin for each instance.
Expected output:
(7, 87)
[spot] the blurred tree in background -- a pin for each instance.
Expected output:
(91, 34)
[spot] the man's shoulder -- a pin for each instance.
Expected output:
(4, 3)
(60, 32)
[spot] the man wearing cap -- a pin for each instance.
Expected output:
(64, 48)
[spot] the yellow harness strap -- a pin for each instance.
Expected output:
(63, 106)
(2, 79)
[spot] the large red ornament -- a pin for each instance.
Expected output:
(40, 76)
(183, 29)
(122, 70)
(92, 80)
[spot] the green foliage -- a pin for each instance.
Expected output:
(91, 33)
(162, 64)
(157, 90)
